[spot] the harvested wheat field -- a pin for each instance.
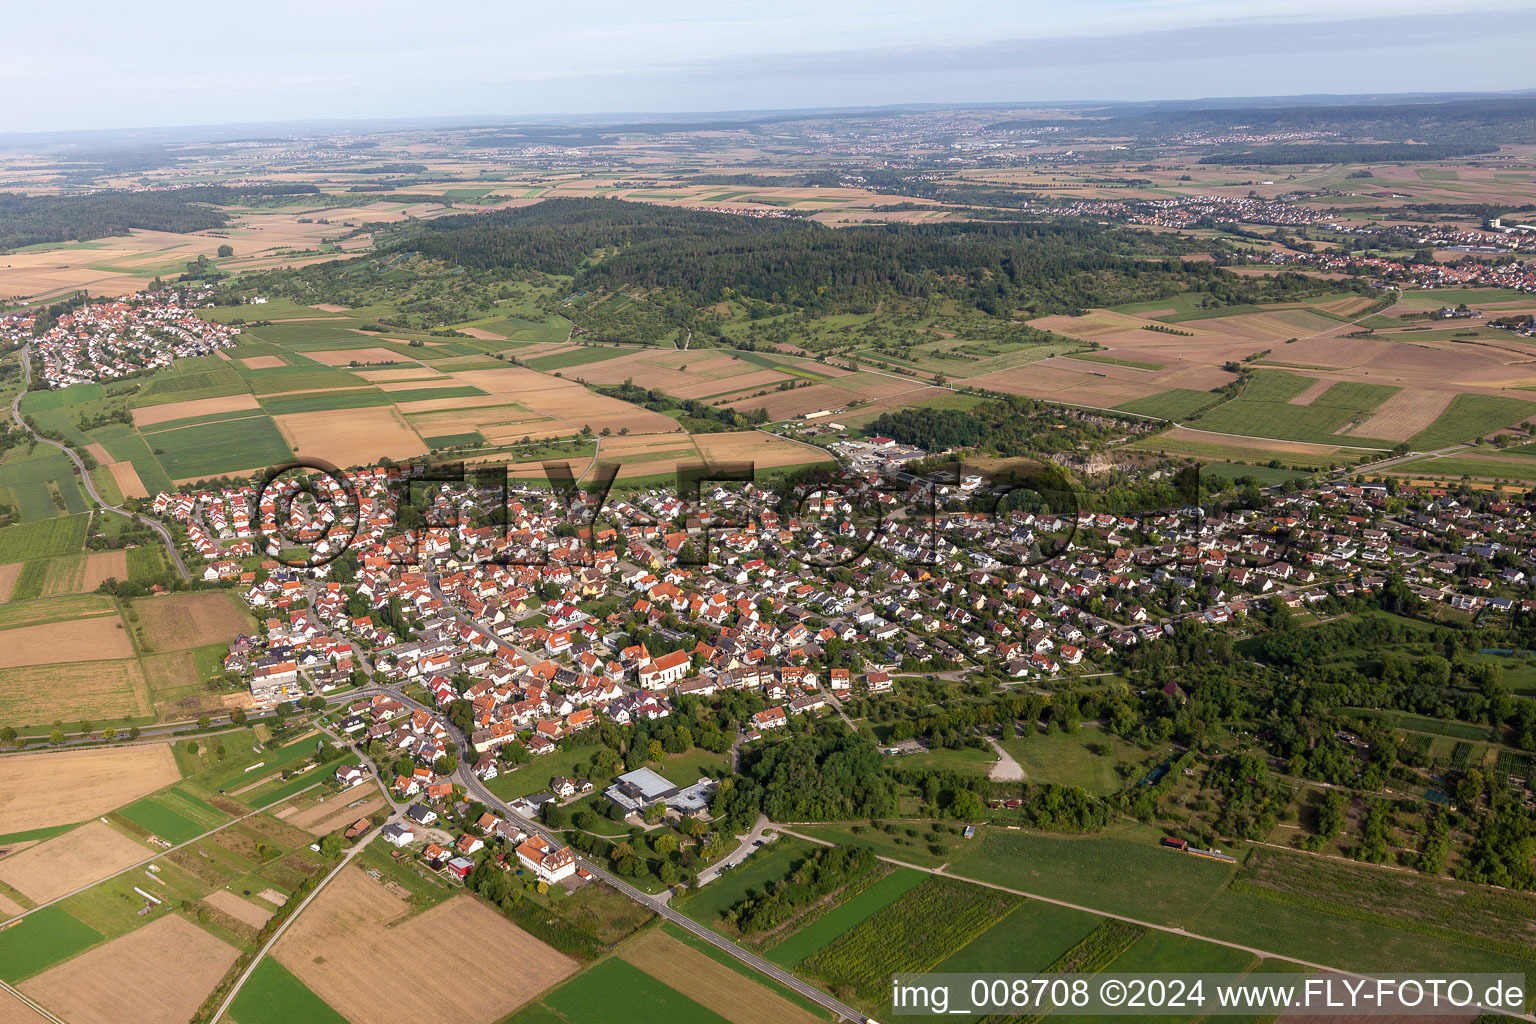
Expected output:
(153, 414)
(43, 790)
(1405, 414)
(14, 1011)
(97, 639)
(418, 384)
(565, 400)
(1055, 379)
(1347, 307)
(342, 809)
(343, 948)
(1313, 392)
(8, 908)
(351, 437)
(99, 452)
(263, 362)
(101, 565)
(163, 970)
(181, 621)
(347, 356)
(395, 373)
(1243, 441)
(241, 910)
(8, 573)
(765, 451)
(71, 691)
(709, 983)
(127, 479)
(71, 861)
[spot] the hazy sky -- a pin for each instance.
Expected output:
(98, 64)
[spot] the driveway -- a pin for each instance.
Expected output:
(749, 845)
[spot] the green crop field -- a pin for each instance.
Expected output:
(52, 609)
(217, 448)
(576, 357)
(126, 446)
(1433, 909)
(58, 536)
(1166, 953)
(1126, 876)
(1437, 298)
(63, 398)
(272, 995)
(523, 330)
(921, 930)
(42, 939)
(303, 375)
(324, 401)
(166, 817)
(1029, 939)
(1469, 417)
(1164, 444)
(1264, 409)
(1453, 468)
(615, 990)
(845, 917)
(186, 387)
(1177, 404)
(39, 484)
(454, 440)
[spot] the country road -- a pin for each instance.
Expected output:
(85, 477)
(656, 904)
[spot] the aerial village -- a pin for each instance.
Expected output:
(110, 340)
(529, 624)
